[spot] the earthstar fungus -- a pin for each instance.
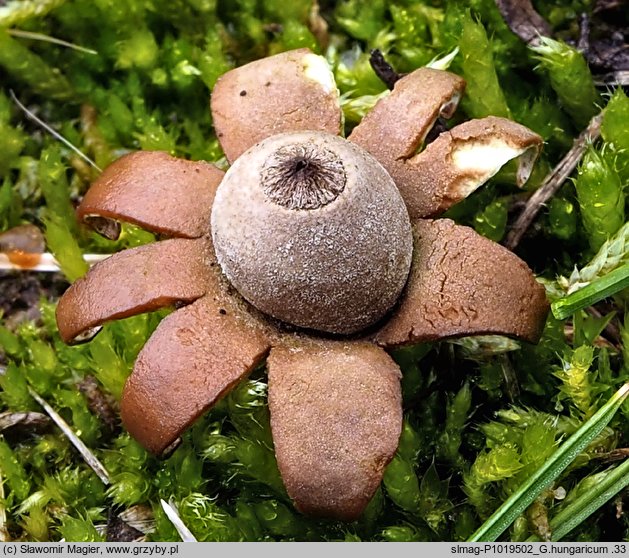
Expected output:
(314, 230)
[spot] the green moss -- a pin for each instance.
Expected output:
(464, 445)
(570, 78)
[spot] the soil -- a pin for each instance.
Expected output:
(21, 292)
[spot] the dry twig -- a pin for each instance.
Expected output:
(85, 452)
(172, 514)
(523, 20)
(4, 533)
(28, 420)
(383, 69)
(41, 262)
(553, 182)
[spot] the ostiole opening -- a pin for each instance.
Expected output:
(303, 176)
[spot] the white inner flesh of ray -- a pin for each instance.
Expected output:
(317, 69)
(484, 160)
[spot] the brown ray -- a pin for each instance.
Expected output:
(288, 92)
(195, 356)
(151, 189)
(464, 158)
(395, 129)
(336, 418)
(464, 284)
(134, 281)
(458, 161)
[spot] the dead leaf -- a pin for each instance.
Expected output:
(523, 20)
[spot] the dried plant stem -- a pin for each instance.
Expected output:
(53, 132)
(29, 420)
(619, 454)
(85, 452)
(553, 182)
(48, 39)
(619, 77)
(140, 517)
(523, 20)
(170, 511)
(383, 69)
(46, 263)
(4, 533)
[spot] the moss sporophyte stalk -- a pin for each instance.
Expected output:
(289, 287)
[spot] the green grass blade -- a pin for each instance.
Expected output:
(546, 475)
(599, 289)
(584, 506)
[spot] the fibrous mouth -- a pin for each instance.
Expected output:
(303, 176)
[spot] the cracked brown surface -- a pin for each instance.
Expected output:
(464, 284)
(158, 192)
(336, 418)
(196, 355)
(268, 97)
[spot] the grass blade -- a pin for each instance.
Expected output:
(53, 132)
(585, 505)
(599, 289)
(506, 514)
